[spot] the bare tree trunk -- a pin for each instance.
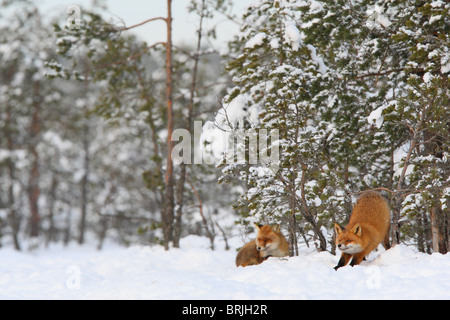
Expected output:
(168, 210)
(438, 227)
(33, 181)
(209, 229)
(67, 230)
(225, 238)
(420, 234)
(427, 234)
(182, 179)
(293, 242)
(51, 206)
(84, 182)
(309, 217)
(303, 206)
(12, 214)
(102, 232)
(395, 227)
(180, 204)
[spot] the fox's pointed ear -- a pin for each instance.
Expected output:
(258, 226)
(337, 229)
(276, 228)
(356, 229)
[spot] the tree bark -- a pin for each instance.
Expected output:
(84, 183)
(439, 227)
(33, 180)
(168, 210)
(51, 231)
(437, 230)
(14, 221)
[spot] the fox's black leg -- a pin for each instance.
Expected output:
(345, 257)
(357, 259)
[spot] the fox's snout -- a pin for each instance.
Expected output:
(350, 248)
(260, 248)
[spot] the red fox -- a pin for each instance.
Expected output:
(368, 227)
(269, 242)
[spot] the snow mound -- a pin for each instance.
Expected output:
(257, 40)
(377, 117)
(196, 272)
(292, 35)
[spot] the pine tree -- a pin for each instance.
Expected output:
(423, 110)
(26, 100)
(384, 89)
(280, 79)
(388, 60)
(134, 87)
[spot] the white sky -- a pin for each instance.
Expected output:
(135, 11)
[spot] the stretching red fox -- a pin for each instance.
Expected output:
(367, 228)
(268, 243)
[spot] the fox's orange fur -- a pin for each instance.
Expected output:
(367, 228)
(249, 255)
(268, 243)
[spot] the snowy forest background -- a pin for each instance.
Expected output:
(357, 90)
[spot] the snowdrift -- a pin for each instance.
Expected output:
(196, 272)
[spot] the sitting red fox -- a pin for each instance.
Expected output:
(269, 242)
(367, 228)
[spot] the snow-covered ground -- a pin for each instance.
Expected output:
(195, 272)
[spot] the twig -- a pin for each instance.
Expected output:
(142, 23)
(127, 59)
(211, 235)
